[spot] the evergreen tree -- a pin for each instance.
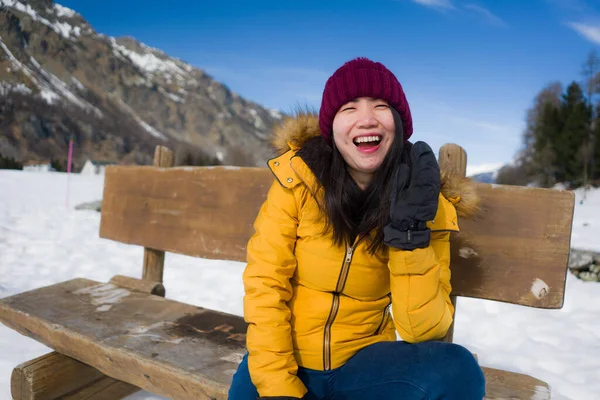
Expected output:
(591, 76)
(572, 148)
(58, 165)
(537, 160)
(547, 145)
(595, 173)
(9, 163)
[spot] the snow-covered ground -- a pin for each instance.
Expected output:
(42, 241)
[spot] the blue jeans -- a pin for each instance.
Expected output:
(387, 370)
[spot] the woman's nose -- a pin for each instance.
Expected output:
(367, 120)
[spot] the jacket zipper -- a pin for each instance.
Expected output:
(384, 319)
(335, 306)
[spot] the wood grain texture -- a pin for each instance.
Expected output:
(517, 249)
(154, 260)
(506, 385)
(198, 211)
(453, 161)
(519, 242)
(54, 375)
(104, 388)
(169, 348)
(50, 376)
(138, 285)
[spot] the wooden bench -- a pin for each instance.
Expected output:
(113, 338)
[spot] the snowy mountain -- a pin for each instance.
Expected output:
(116, 97)
(485, 173)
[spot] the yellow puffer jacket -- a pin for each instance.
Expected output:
(314, 305)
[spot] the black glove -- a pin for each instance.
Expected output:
(415, 194)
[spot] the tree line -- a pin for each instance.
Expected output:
(561, 142)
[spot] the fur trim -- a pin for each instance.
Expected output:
(462, 192)
(295, 131)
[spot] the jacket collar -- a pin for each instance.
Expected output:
(290, 169)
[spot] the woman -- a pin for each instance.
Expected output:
(355, 222)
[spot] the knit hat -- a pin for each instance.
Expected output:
(362, 77)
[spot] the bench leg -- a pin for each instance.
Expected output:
(104, 388)
(54, 375)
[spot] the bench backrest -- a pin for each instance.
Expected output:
(516, 250)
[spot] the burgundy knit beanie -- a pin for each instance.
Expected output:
(362, 77)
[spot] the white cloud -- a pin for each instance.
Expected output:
(588, 31)
(486, 14)
(439, 4)
(447, 5)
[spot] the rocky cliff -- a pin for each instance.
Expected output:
(115, 97)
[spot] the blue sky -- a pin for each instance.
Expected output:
(470, 69)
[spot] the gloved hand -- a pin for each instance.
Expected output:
(415, 194)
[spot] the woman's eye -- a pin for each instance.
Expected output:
(348, 108)
(382, 106)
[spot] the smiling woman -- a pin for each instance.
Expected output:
(364, 132)
(347, 231)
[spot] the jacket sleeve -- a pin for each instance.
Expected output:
(270, 265)
(420, 282)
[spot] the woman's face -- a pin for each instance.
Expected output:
(363, 132)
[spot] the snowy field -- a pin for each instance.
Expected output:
(42, 242)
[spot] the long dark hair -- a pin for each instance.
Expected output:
(352, 212)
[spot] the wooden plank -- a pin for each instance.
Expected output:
(169, 348)
(199, 211)
(453, 161)
(516, 250)
(520, 242)
(104, 388)
(505, 385)
(55, 375)
(154, 260)
(138, 285)
(50, 376)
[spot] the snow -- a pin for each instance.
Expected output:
(61, 28)
(152, 64)
(258, 122)
(275, 113)
(174, 97)
(47, 83)
(77, 83)
(45, 241)
(151, 130)
(62, 11)
(63, 89)
(66, 29)
(483, 168)
(49, 96)
(7, 87)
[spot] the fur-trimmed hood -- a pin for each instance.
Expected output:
(296, 131)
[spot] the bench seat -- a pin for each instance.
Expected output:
(166, 347)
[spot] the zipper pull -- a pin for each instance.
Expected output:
(349, 254)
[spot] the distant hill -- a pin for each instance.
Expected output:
(486, 173)
(116, 97)
(485, 177)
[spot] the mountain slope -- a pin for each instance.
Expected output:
(117, 98)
